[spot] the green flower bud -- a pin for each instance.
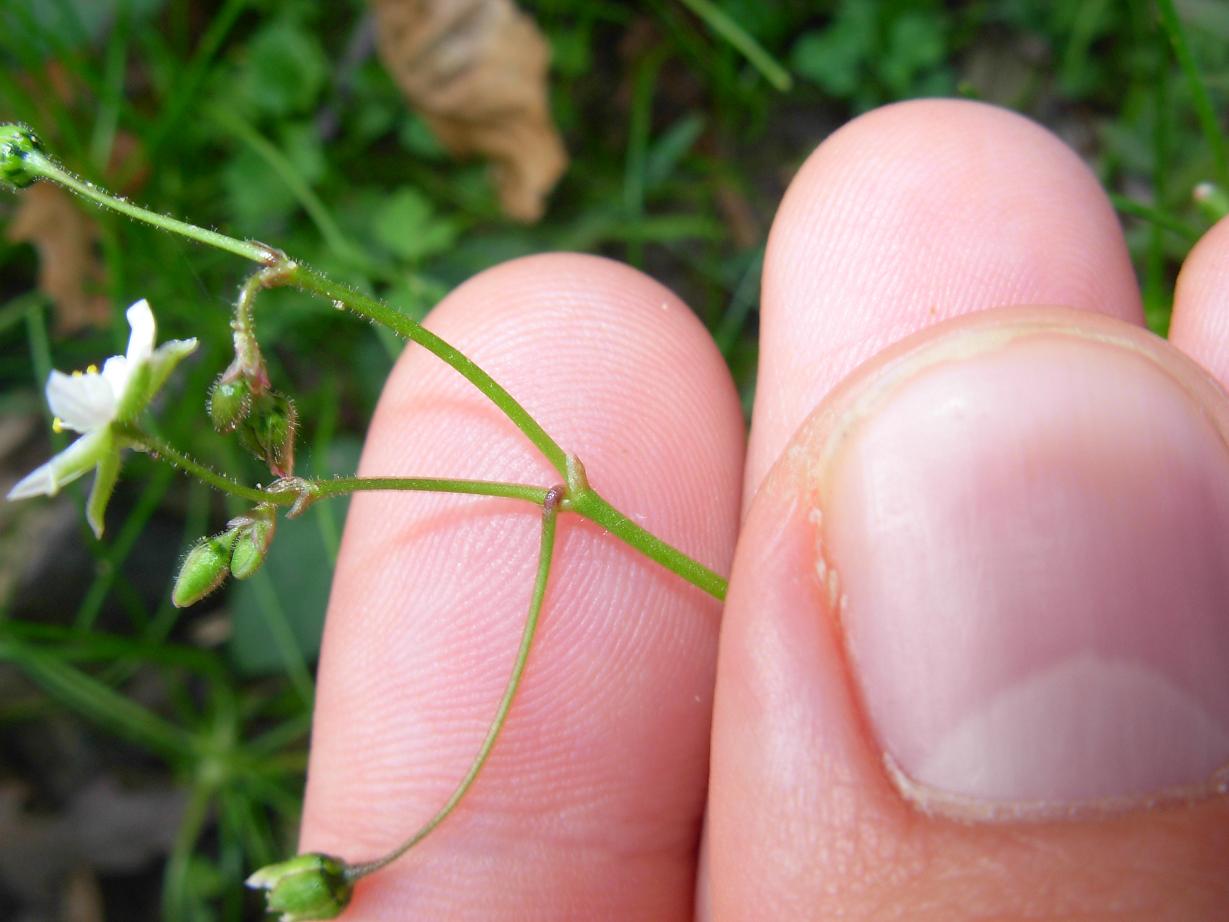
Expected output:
(312, 886)
(203, 570)
(230, 402)
(253, 535)
(1212, 200)
(269, 432)
(16, 142)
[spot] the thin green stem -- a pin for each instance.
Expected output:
(247, 349)
(163, 450)
(728, 28)
(291, 491)
(309, 280)
(96, 701)
(1212, 133)
(550, 510)
(44, 167)
(342, 485)
(594, 507)
(1158, 217)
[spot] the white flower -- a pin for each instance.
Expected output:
(90, 402)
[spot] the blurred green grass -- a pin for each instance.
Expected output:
(275, 121)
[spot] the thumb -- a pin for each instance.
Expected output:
(975, 658)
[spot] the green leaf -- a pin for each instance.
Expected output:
(666, 152)
(408, 226)
(835, 58)
(285, 70)
(915, 46)
(417, 138)
(258, 197)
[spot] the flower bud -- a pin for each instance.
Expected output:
(253, 534)
(1212, 200)
(311, 886)
(230, 402)
(203, 570)
(269, 432)
(16, 143)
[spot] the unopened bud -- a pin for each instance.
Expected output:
(253, 535)
(230, 402)
(17, 142)
(311, 886)
(269, 432)
(1212, 200)
(203, 570)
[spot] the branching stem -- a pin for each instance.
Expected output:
(279, 269)
(550, 510)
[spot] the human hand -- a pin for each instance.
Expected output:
(1027, 643)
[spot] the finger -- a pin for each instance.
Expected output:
(973, 658)
(590, 805)
(1200, 325)
(915, 213)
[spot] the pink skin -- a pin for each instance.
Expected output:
(592, 806)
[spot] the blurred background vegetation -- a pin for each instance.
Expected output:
(150, 757)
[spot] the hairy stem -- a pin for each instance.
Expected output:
(343, 485)
(281, 270)
(46, 168)
(593, 506)
(162, 450)
(287, 493)
(550, 509)
(309, 280)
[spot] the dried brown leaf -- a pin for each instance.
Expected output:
(476, 71)
(69, 270)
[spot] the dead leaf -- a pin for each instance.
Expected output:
(476, 71)
(69, 270)
(82, 898)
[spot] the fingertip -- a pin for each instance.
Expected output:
(1200, 323)
(912, 214)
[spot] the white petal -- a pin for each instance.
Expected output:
(77, 459)
(141, 341)
(116, 371)
(82, 402)
(38, 482)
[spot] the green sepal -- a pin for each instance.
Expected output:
(106, 475)
(307, 887)
(163, 362)
(203, 570)
(136, 395)
(253, 535)
(147, 379)
(269, 432)
(230, 403)
(17, 142)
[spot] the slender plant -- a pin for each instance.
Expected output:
(107, 405)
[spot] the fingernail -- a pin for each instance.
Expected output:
(1028, 549)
